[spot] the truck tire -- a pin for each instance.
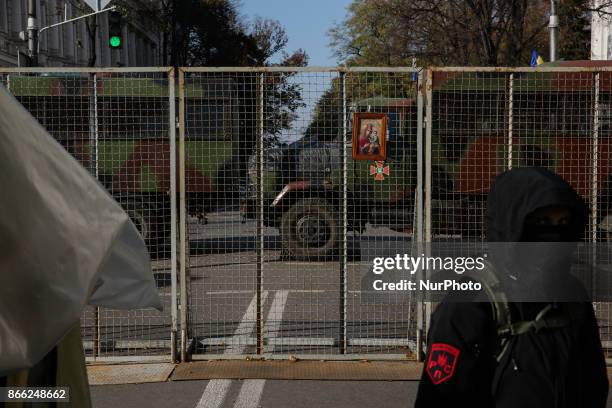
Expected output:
(310, 230)
(151, 226)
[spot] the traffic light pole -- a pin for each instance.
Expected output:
(32, 33)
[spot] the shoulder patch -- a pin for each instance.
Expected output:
(441, 362)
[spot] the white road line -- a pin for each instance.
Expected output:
(251, 390)
(247, 324)
(250, 394)
(214, 394)
(275, 318)
(216, 390)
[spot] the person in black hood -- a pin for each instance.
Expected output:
(550, 355)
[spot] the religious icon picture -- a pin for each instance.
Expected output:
(369, 136)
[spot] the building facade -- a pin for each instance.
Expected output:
(69, 45)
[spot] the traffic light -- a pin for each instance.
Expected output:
(115, 40)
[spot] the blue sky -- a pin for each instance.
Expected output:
(306, 22)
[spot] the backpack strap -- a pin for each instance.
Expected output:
(498, 300)
(547, 318)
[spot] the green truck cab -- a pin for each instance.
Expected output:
(303, 186)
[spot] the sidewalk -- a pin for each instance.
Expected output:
(239, 384)
(364, 370)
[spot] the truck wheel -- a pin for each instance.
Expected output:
(146, 221)
(310, 230)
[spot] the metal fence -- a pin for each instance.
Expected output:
(261, 225)
(282, 276)
(119, 124)
(482, 121)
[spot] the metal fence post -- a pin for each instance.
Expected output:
(93, 168)
(427, 187)
(183, 220)
(420, 327)
(260, 207)
(172, 122)
(594, 177)
(510, 117)
(344, 258)
(93, 126)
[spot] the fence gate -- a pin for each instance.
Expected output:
(482, 121)
(118, 123)
(281, 223)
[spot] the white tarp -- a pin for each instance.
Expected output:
(64, 243)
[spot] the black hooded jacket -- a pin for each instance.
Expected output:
(562, 367)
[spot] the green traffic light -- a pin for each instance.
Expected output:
(115, 41)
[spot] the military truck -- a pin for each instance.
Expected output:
(303, 186)
(552, 127)
(122, 135)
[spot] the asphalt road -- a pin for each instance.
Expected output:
(301, 301)
(259, 394)
(301, 306)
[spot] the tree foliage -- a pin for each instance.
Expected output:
(212, 33)
(204, 33)
(458, 32)
(327, 122)
(574, 35)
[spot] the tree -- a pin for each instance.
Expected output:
(211, 33)
(574, 35)
(196, 32)
(458, 32)
(327, 125)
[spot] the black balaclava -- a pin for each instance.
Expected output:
(533, 258)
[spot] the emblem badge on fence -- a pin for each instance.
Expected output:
(379, 171)
(442, 361)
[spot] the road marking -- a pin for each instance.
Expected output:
(250, 394)
(275, 318)
(252, 390)
(214, 394)
(216, 390)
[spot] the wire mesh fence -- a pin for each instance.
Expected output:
(276, 259)
(117, 125)
(285, 183)
(484, 121)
